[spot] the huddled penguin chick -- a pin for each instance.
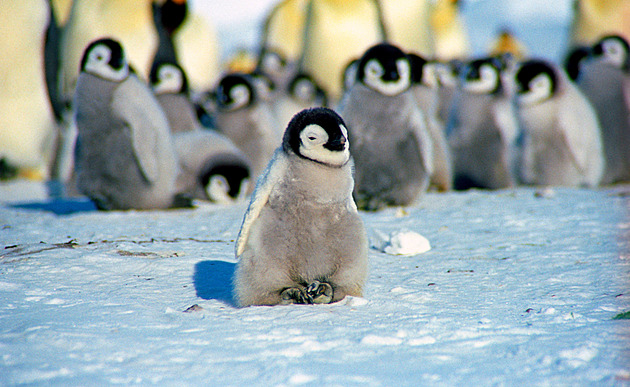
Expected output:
(392, 147)
(300, 93)
(448, 76)
(302, 240)
(212, 167)
(482, 130)
(424, 84)
(124, 158)
(561, 142)
(246, 120)
(574, 61)
(605, 79)
(128, 22)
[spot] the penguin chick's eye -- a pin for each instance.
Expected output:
(313, 135)
(315, 145)
(539, 90)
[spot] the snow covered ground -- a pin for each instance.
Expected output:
(518, 289)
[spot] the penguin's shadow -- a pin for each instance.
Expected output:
(59, 206)
(213, 281)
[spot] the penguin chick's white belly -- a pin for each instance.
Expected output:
(308, 231)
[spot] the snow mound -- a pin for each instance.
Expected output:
(404, 243)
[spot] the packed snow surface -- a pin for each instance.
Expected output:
(517, 289)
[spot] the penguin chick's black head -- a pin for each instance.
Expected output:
(574, 60)
(235, 91)
(233, 169)
(303, 88)
(383, 60)
(416, 63)
(483, 76)
(106, 51)
(536, 78)
(615, 50)
(318, 134)
(168, 77)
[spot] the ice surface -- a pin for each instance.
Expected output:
(518, 289)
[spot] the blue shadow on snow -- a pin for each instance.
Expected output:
(59, 206)
(213, 280)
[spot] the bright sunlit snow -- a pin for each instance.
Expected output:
(518, 289)
(513, 287)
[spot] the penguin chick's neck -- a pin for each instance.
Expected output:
(317, 183)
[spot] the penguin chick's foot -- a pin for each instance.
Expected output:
(320, 292)
(294, 296)
(315, 293)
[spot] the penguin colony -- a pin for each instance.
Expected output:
(348, 105)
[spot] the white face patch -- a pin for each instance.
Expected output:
(240, 96)
(539, 90)
(614, 53)
(98, 64)
(430, 76)
(272, 64)
(488, 81)
(445, 75)
(217, 190)
(170, 80)
(312, 140)
(304, 90)
(374, 77)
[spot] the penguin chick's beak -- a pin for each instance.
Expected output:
(337, 144)
(391, 76)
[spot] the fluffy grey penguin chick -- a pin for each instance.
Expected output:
(246, 120)
(561, 133)
(302, 240)
(212, 167)
(483, 129)
(424, 84)
(124, 158)
(605, 79)
(392, 147)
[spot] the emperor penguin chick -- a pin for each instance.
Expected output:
(424, 84)
(561, 134)
(124, 158)
(482, 129)
(605, 79)
(302, 240)
(212, 167)
(392, 147)
(247, 120)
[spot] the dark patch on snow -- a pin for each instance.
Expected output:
(213, 280)
(59, 206)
